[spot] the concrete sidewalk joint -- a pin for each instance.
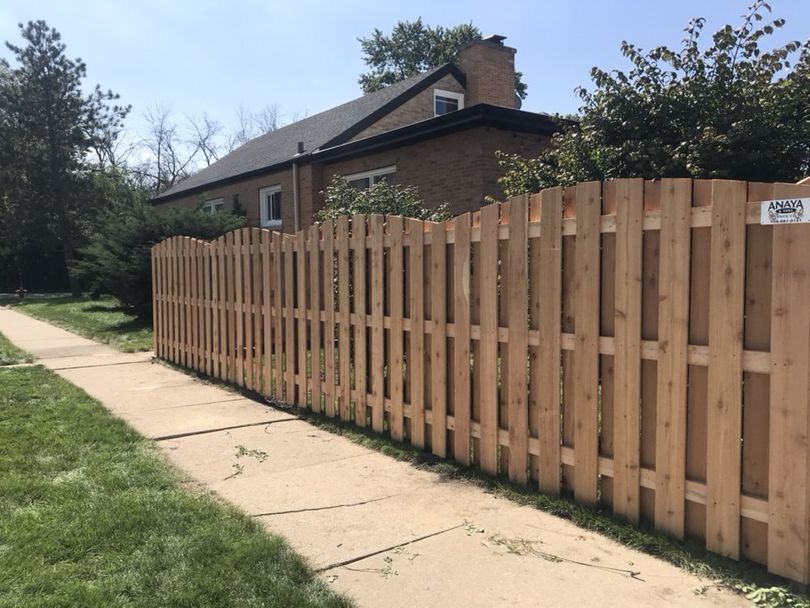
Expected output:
(220, 429)
(59, 369)
(327, 508)
(359, 558)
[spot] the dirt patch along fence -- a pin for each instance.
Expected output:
(645, 344)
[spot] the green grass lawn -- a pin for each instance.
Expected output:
(91, 516)
(10, 354)
(101, 320)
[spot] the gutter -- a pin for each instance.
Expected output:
(479, 114)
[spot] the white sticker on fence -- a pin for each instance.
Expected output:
(785, 211)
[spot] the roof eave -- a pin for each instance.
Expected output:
(478, 115)
(483, 115)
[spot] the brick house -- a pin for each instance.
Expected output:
(438, 130)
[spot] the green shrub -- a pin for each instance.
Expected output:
(730, 109)
(117, 260)
(383, 198)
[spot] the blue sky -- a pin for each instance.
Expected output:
(204, 56)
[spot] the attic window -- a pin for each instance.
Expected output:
(445, 102)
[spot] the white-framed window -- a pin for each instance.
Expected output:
(367, 179)
(270, 206)
(445, 102)
(212, 206)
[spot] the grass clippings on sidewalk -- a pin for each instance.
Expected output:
(743, 577)
(10, 354)
(92, 516)
(102, 320)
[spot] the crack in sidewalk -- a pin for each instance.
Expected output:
(310, 509)
(359, 558)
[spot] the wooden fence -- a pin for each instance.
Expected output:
(640, 343)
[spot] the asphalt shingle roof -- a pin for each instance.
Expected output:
(281, 145)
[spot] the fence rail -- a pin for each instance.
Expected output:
(645, 344)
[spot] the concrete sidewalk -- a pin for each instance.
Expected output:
(379, 530)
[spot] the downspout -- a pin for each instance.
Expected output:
(296, 201)
(296, 211)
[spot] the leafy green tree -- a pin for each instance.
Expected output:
(383, 198)
(50, 128)
(732, 110)
(414, 47)
(117, 260)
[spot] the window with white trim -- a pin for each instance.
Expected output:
(213, 206)
(270, 206)
(366, 179)
(445, 102)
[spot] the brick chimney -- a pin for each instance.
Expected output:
(489, 66)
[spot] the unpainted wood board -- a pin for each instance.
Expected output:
(627, 361)
(267, 312)
(547, 279)
(278, 315)
(247, 302)
(475, 348)
(344, 329)
(154, 264)
(186, 301)
(438, 338)
(329, 317)
(223, 307)
(673, 336)
(377, 335)
(586, 350)
(756, 400)
(697, 389)
(209, 306)
(258, 333)
(239, 286)
(789, 471)
(489, 339)
(395, 342)
(289, 321)
(360, 335)
(315, 314)
(301, 309)
(724, 419)
(416, 230)
(462, 412)
(518, 324)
